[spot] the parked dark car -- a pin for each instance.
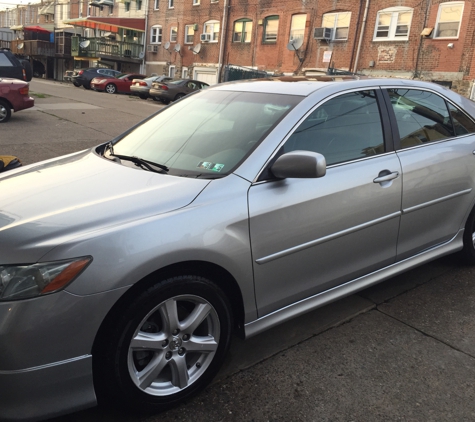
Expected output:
(141, 87)
(14, 67)
(174, 90)
(83, 77)
(113, 84)
(14, 95)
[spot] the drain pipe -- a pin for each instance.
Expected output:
(142, 66)
(360, 41)
(223, 41)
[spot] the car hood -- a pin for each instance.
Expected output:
(46, 204)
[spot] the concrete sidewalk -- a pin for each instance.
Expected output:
(401, 351)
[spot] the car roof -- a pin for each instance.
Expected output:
(305, 86)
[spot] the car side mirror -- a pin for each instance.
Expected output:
(300, 165)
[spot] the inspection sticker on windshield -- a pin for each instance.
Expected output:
(210, 166)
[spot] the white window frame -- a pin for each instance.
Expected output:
(294, 32)
(185, 73)
(393, 23)
(335, 26)
(172, 71)
(209, 28)
(192, 27)
(173, 33)
(171, 4)
(158, 35)
(156, 4)
(439, 12)
(196, 2)
(214, 1)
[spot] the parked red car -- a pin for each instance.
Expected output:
(112, 85)
(14, 95)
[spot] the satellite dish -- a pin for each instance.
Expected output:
(84, 44)
(166, 45)
(20, 46)
(196, 48)
(141, 55)
(177, 48)
(295, 44)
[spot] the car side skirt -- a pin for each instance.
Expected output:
(353, 286)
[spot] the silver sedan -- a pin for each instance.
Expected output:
(125, 268)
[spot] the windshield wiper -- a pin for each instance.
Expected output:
(140, 162)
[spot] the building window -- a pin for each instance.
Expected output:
(155, 4)
(271, 27)
(297, 27)
(212, 28)
(448, 20)
(214, 1)
(196, 2)
(189, 34)
(171, 71)
(139, 4)
(127, 6)
(171, 4)
(173, 33)
(339, 23)
(393, 24)
(184, 73)
(156, 34)
(242, 30)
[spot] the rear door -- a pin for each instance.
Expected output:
(435, 144)
(10, 67)
(309, 235)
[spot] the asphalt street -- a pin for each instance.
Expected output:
(403, 350)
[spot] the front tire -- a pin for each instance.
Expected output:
(111, 89)
(469, 239)
(5, 111)
(167, 345)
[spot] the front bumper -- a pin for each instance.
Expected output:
(45, 353)
(47, 391)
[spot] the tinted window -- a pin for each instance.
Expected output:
(462, 123)
(421, 116)
(4, 61)
(345, 128)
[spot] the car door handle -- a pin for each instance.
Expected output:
(386, 177)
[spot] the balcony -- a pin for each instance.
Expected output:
(105, 48)
(32, 48)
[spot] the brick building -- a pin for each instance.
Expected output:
(376, 37)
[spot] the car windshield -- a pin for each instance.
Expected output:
(209, 134)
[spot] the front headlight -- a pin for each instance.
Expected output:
(26, 281)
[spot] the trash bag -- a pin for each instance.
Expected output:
(9, 162)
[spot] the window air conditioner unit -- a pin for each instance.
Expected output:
(155, 49)
(322, 33)
(205, 37)
(149, 48)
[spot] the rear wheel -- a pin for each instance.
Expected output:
(178, 96)
(164, 101)
(87, 85)
(142, 96)
(5, 111)
(111, 89)
(76, 84)
(156, 99)
(167, 345)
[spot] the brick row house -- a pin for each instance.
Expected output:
(205, 39)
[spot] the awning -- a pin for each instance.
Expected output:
(36, 28)
(108, 24)
(16, 28)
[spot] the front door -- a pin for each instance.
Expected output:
(309, 235)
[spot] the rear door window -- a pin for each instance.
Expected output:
(422, 116)
(5, 61)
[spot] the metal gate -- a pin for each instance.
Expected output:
(236, 73)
